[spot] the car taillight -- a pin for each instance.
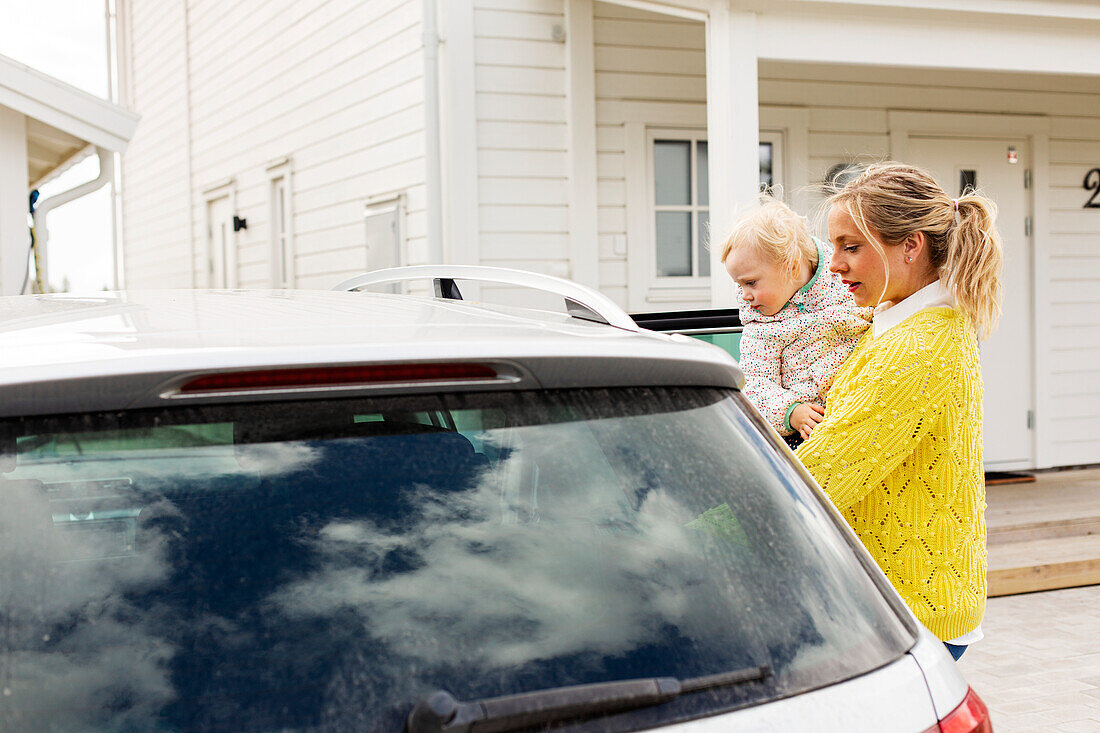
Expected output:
(971, 716)
(336, 376)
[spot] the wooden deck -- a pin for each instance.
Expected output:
(1044, 534)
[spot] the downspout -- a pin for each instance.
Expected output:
(42, 232)
(433, 174)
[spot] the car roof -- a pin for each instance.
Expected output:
(117, 350)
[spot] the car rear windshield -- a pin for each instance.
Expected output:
(324, 565)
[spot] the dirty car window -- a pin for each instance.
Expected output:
(322, 565)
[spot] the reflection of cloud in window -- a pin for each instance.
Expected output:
(71, 643)
(98, 664)
(501, 595)
(271, 459)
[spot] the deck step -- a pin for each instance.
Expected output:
(1025, 532)
(1044, 564)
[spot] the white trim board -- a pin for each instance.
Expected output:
(637, 217)
(962, 123)
(584, 254)
(688, 10)
(65, 107)
(461, 228)
(923, 38)
(1012, 8)
(733, 121)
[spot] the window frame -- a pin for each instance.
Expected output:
(694, 136)
(225, 190)
(679, 287)
(281, 234)
(776, 139)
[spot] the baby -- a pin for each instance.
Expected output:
(800, 321)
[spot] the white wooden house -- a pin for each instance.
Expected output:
(296, 143)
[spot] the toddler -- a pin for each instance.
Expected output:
(800, 321)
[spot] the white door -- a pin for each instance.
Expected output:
(996, 168)
(220, 250)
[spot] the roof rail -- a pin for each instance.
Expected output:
(582, 302)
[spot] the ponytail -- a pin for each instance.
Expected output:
(972, 269)
(891, 201)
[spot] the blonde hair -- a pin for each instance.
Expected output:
(890, 201)
(774, 229)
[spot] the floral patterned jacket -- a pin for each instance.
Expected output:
(791, 357)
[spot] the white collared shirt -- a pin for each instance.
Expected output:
(888, 315)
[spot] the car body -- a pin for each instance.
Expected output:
(232, 510)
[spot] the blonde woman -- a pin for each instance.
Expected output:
(900, 449)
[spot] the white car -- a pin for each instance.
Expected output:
(305, 510)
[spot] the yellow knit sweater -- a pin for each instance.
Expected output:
(900, 454)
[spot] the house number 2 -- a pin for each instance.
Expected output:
(1092, 183)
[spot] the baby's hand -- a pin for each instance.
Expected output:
(805, 418)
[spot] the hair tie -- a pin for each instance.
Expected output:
(956, 202)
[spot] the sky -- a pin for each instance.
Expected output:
(67, 39)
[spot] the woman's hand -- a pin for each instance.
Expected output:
(805, 418)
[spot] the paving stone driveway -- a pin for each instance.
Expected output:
(1038, 668)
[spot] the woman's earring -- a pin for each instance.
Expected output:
(908, 259)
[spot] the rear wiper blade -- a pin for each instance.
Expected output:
(440, 712)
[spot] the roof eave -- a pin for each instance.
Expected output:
(34, 94)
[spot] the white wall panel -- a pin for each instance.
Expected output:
(336, 87)
(155, 211)
(522, 138)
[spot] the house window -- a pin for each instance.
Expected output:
(968, 181)
(681, 200)
(280, 233)
(282, 225)
(771, 162)
(681, 207)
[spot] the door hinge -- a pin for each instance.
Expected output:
(1027, 178)
(1027, 226)
(1030, 419)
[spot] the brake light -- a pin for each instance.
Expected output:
(971, 716)
(337, 376)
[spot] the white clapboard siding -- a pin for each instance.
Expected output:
(522, 138)
(525, 246)
(335, 89)
(1073, 292)
(329, 94)
(155, 214)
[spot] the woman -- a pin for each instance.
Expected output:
(900, 449)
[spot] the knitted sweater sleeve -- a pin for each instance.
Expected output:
(876, 419)
(761, 360)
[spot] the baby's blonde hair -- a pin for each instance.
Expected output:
(890, 201)
(775, 230)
